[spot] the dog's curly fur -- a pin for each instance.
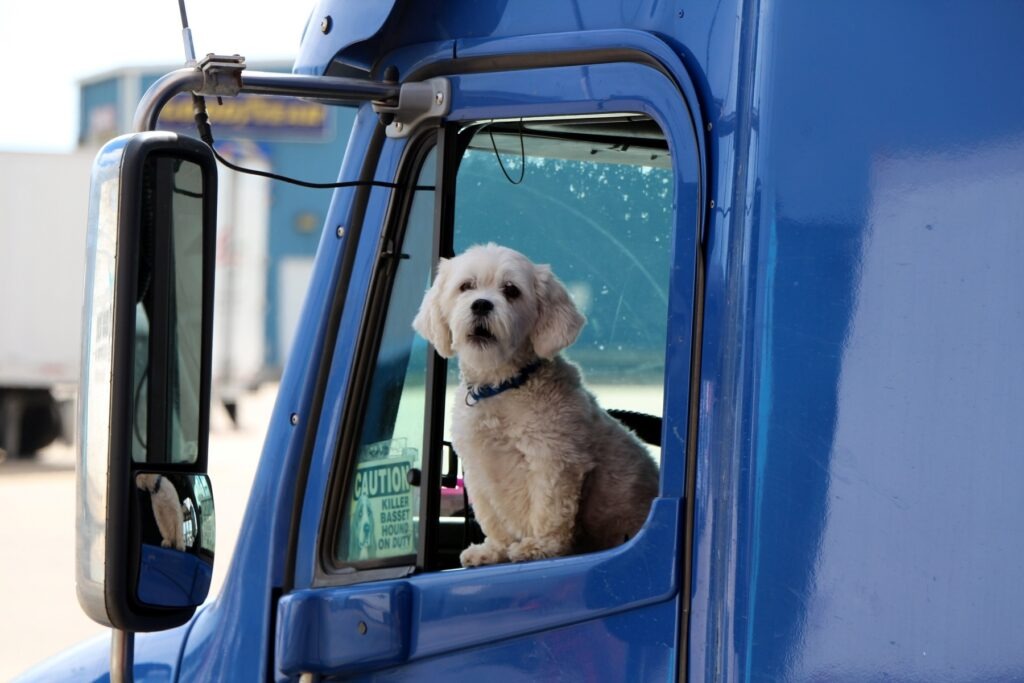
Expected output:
(170, 518)
(550, 472)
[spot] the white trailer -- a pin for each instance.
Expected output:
(240, 292)
(44, 202)
(42, 275)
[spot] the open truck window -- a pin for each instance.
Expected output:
(592, 197)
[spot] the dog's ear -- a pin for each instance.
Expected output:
(558, 320)
(430, 321)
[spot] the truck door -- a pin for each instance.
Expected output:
(591, 162)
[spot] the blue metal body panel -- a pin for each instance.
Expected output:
(471, 611)
(858, 512)
(157, 656)
(554, 655)
(237, 624)
(857, 519)
(363, 627)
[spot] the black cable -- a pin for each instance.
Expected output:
(522, 155)
(206, 134)
(305, 183)
(135, 409)
(187, 193)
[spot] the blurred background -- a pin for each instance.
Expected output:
(75, 72)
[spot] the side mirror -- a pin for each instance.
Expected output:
(144, 512)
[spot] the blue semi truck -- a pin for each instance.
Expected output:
(796, 230)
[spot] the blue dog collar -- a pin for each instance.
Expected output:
(477, 394)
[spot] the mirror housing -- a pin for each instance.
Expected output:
(144, 395)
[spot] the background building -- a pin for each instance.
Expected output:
(268, 231)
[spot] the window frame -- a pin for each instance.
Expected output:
(450, 146)
(450, 140)
(470, 614)
(325, 572)
(372, 325)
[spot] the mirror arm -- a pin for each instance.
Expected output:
(160, 93)
(122, 656)
(218, 76)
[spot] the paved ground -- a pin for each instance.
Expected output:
(40, 615)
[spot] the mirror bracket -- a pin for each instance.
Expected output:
(418, 102)
(219, 75)
(222, 75)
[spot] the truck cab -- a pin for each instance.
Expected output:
(795, 233)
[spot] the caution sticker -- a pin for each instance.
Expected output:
(382, 504)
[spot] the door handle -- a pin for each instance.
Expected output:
(330, 631)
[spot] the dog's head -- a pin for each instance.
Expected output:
(146, 481)
(491, 305)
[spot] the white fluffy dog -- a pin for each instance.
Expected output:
(170, 518)
(549, 470)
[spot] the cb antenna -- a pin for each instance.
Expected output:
(186, 35)
(198, 102)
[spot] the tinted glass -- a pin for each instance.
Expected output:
(186, 313)
(170, 291)
(382, 509)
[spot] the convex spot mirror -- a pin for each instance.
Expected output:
(177, 530)
(144, 551)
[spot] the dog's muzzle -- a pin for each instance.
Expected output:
(481, 333)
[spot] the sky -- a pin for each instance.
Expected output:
(48, 47)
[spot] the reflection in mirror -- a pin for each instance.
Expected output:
(169, 315)
(177, 531)
(140, 384)
(185, 352)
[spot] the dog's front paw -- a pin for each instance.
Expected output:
(482, 553)
(534, 549)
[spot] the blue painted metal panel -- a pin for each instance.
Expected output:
(170, 578)
(636, 646)
(464, 609)
(337, 24)
(237, 624)
(862, 374)
(328, 430)
(456, 611)
(856, 513)
(360, 628)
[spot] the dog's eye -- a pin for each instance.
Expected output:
(510, 291)
(466, 286)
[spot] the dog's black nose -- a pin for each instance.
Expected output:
(482, 307)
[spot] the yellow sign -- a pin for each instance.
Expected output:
(252, 116)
